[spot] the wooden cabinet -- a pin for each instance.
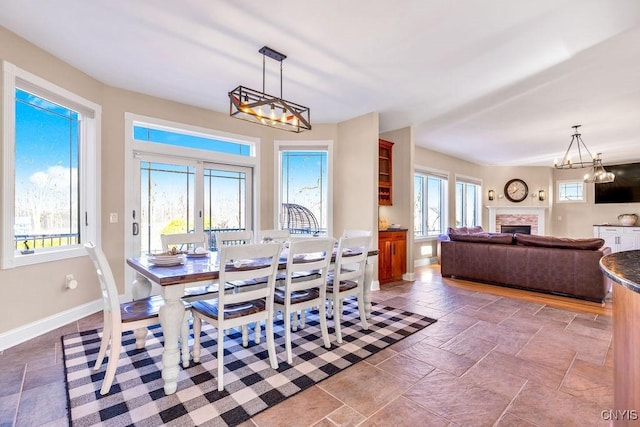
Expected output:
(618, 238)
(392, 255)
(385, 175)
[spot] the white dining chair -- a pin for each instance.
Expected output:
(184, 242)
(240, 263)
(129, 316)
(301, 292)
(347, 278)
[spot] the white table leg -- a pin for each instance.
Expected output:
(171, 317)
(368, 278)
(141, 287)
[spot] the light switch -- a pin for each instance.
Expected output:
(113, 217)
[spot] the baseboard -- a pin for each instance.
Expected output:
(375, 285)
(26, 332)
(409, 276)
(424, 261)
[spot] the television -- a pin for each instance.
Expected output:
(624, 189)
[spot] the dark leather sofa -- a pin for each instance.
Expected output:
(562, 266)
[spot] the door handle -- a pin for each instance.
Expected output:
(136, 229)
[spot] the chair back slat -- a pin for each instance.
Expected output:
(107, 282)
(273, 236)
(308, 255)
(253, 262)
(233, 238)
(184, 241)
(352, 252)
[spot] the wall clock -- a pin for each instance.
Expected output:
(516, 190)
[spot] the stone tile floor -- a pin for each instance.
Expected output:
(489, 360)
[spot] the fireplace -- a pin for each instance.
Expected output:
(533, 216)
(522, 229)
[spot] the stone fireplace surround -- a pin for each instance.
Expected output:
(517, 215)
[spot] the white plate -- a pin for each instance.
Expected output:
(166, 260)
(197, 255)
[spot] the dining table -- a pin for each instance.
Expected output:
(174, 279)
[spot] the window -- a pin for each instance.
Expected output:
(183, 138)
(571, 192)
(49, 170)
(191, 179)
(304, 183)
(429, 204)
(467, 203)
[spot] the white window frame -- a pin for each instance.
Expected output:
(444, 175)
(571, 181)
(89, 172)
(475, 181)
(280, 146)
(134, 148)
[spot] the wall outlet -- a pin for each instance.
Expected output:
(559, 218)
(113, 217)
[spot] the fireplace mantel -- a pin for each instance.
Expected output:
(540, 211)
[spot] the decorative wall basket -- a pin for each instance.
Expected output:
(628, 219)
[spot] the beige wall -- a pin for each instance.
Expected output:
(577, 219)
(31, 293)
(355, 197)
(537, 178)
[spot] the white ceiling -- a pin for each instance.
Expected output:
(491, 81)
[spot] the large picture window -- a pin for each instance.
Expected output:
(429, 204)
(467, 203)
(304, 183)
(49, 201)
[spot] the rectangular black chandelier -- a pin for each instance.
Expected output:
(268, 110)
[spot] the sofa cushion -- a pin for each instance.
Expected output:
(496, 238)
(558, 242)
(465, 230)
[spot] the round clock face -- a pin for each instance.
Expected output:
(516, 190)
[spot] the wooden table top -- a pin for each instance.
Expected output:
(194, 269)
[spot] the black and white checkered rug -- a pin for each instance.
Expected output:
(137, 395)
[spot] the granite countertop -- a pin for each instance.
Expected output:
(623, 268)
(392, 229)
(615, 225)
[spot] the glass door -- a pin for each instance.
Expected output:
(186, 196)
(227, 198)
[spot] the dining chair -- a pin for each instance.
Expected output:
(129, 316)
(239, 237)
(269, 236)
(185, 242)
(301, 292)
(347, 278)
(240, 263)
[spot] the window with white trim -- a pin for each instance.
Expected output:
(50, 170)
(429, 203)
(304, 183)
(468, 199)
(571, 191)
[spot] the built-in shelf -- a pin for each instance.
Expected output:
(385, 172)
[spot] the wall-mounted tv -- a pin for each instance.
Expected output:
(625, 188)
